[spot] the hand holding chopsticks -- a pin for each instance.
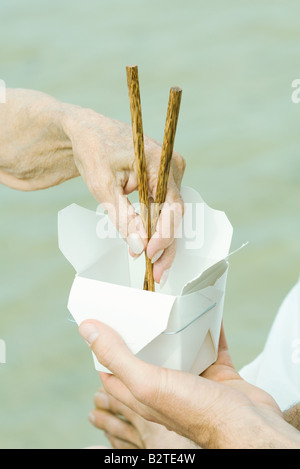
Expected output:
(140, 160)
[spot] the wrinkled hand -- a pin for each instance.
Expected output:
(104, 155)
(44, 142)
(216, 410)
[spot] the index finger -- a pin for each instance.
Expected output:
(168, 223)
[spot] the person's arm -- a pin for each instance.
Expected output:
(35, 152)
(44, 142)
(216, 410)
(292, 416)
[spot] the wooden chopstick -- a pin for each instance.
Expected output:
(166, 155)
(166, 158)
(140, 161)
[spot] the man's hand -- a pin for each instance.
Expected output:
(44, 142)
(216, 410)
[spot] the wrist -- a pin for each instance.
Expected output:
(256, 431)
(88, 133)
(74, 119)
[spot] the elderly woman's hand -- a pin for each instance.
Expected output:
(104, 155)
(44, 142)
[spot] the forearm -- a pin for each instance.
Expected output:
(273, 435)
(35, 151)
(254, 430)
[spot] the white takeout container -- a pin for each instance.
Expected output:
(177, 327)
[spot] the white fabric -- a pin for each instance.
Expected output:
(277, 368)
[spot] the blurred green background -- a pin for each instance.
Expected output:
(238, 130)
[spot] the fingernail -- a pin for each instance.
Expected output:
(92, 418)
(157, 256)
(89, 333)
(164, 278)
(135, 243)
(101, 400)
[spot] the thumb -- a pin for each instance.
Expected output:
(110, 349)
(133, 382)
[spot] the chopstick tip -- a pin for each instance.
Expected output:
(176, 89)
(129, 67)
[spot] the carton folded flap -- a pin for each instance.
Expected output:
(212, 246)
(138, 316)
(208, 278)
(78, 239)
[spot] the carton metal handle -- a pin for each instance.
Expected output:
(192, 322)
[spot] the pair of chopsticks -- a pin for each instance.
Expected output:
(140, 160)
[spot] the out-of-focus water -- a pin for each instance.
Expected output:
(238, 130)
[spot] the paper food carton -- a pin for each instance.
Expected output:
(178, 326)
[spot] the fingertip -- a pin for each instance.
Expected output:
(164, 264)
(136, 244)
(159, 274)
(157, 256)
(155, 245)
(89, 331)
(131, 253)
(92, 418)
(164, 278)
(134, 256)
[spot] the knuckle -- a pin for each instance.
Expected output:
(145, 390)
(95, 187)
(146, 413)
(150, 393)
(106, 355)
(177, 205)
(143, 393)
(111, 424)
(100, 185)
(180, 206)
(152, 183)
(179, 162)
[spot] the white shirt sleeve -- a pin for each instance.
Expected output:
(277, 369)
